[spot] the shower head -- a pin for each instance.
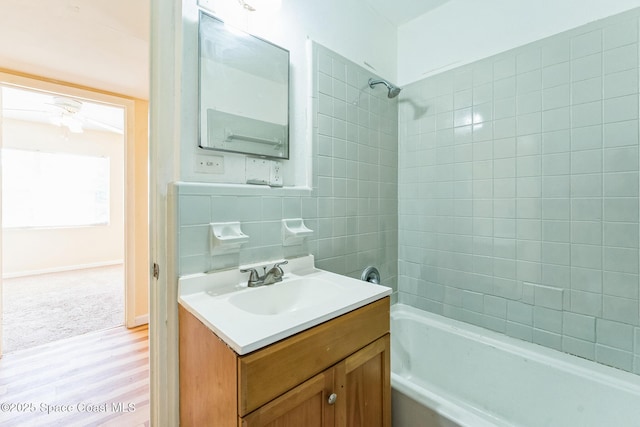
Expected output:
(393, 90)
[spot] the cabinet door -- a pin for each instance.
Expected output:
(364, 381)
(306, 405)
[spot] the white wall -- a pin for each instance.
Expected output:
(34, 250)
(463, 31)
(349, 27)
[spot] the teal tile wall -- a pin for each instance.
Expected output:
(519, 193)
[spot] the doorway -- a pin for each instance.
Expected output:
(62, 216)
(71, 249)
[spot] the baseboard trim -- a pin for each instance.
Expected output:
(62, 269)
(140, 320)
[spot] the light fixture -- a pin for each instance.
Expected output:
(69, 108)
(246, 6)
(67, 120)
(261, 5)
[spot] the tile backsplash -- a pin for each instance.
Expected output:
(519, 193)
(352, 206)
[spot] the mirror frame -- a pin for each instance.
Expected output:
(286, 154)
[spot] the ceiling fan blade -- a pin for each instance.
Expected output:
(102, 125)
(25, 110)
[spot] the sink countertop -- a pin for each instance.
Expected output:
(207, 296)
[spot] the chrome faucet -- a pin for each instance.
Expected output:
(270, 277)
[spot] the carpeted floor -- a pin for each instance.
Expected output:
(49, 307)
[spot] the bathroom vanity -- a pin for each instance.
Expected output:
(332, 372)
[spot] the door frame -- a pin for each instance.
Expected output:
(10, 78)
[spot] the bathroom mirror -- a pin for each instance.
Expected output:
(244, 92)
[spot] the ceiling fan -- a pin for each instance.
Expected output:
(62, 111)
(68, 114)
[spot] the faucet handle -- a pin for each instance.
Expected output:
(253, 274)
(278, 264)
(277, 270)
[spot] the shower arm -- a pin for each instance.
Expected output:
(393, 90)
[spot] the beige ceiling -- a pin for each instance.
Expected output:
(102, 44)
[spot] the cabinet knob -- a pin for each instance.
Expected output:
(332, 398)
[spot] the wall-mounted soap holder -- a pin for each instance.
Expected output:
(227, 237)
(294, 231)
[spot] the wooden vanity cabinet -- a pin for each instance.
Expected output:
(306, 405)
(290, 382)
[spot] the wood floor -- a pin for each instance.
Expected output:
(97, 379)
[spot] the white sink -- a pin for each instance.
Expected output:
(250, 318)
(286, 296)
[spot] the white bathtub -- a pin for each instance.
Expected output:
(448, 373)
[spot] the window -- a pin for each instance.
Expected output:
(53, 190)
